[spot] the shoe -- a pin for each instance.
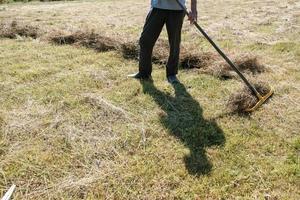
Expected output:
(173, 79)
(139, 76)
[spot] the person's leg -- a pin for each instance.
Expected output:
(152, 29)
(174, 25)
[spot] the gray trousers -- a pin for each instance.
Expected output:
(155, 21)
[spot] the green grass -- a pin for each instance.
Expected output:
(286, 48)
(73, 126)
(267, 28)
(59, 133)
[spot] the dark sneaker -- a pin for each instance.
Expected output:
(139, 76)
(173, 79)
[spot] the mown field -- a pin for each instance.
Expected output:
(73, 126)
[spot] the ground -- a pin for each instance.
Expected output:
(73, 126)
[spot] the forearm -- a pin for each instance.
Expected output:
(194, 5)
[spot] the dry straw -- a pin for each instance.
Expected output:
(207, 62)
(244, 98)
(88, 39)
(13, 29)
(247, 64)
(130, 50)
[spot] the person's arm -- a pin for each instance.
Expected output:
(193, 15)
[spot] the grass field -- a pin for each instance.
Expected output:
(73, 126)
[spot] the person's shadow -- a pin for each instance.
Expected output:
(184, 120)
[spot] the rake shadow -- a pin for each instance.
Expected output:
(184, 120)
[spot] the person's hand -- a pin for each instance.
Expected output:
(193, 16)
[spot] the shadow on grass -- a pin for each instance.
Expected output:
(184, 120)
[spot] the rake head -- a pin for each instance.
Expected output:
(261, 99)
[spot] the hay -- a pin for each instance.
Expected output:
(188, 60)
(248, 64)
(88, 39)
(219, 71)
(130, 50)
(14, 29)
(105, 108)
(63, 39)
(208, 62)
(161, 52)
(192, 60)
(244, 98)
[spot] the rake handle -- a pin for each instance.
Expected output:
(231, 64)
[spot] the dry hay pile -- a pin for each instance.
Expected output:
(130, 50)
(14, 29)
(188, 60)
(161, 52)
(88, 39)
(244, 98)
(209, 63)
(248, 64)
(196, 60)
